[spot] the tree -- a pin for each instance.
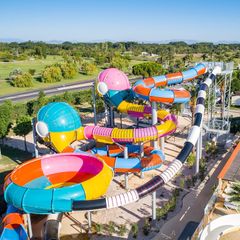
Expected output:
(5, 118)
(68, 97)
(235, 194)
(52, 74)
(32, 71)
(13, 74)
(23, 127)
(23, 80)
(69, 70)
(147, 69)
(88, 68)
(119, 62)
(236, 81)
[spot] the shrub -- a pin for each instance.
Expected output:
(146, 227)
(97, 227)
(134, 230)
(69, 70)
(52, 74)
(111, 228)
(119, 62)
(32, 71)
(182, 183)
(191, 159)
(147, 69)
(122, 229)
(88, 68)
(23, 80)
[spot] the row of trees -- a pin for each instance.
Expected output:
(41, 49)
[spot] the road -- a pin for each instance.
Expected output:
(48, 91)
(193, 205)
(17, 97)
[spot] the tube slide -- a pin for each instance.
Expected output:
(13, 225)
(112, 156)
(150, 88)
(50, 127)
(51, 183)
(52, 118)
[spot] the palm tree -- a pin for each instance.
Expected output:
(235, 194)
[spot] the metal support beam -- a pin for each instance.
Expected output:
(156, 146)
(162, 142)
(36, 153)
(126, 174)
(154, 206)
(111, 114)
(89, 221)
(30, 233)
(94, 104)
(154, 122)
(142, 155)
(198, 152)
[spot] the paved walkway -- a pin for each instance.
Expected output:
(193, 205)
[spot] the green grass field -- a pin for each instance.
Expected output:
(38, 65)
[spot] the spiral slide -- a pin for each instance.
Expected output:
(76, 181)
(157, 181)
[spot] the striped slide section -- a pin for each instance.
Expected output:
(150, 88)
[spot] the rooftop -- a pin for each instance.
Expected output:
(231, 170)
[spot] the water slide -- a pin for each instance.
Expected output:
(13, 225)
(113, 156)
(115, 87)
(58, 195)
(216, 228)
(51, 183)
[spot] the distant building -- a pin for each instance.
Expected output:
(236, 100)
(145, 54)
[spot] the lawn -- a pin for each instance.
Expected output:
(11, 157)
(39, 65)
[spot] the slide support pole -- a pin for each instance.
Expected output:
(126, 174)
(89, 221)
(94, 104)
(30, 234)
(198, 152)
(36, 153)
(156, 146)
(142, 155)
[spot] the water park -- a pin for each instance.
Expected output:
(73, 179)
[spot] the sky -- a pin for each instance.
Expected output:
(120, 20)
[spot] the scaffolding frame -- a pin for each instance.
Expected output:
(217, 121)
